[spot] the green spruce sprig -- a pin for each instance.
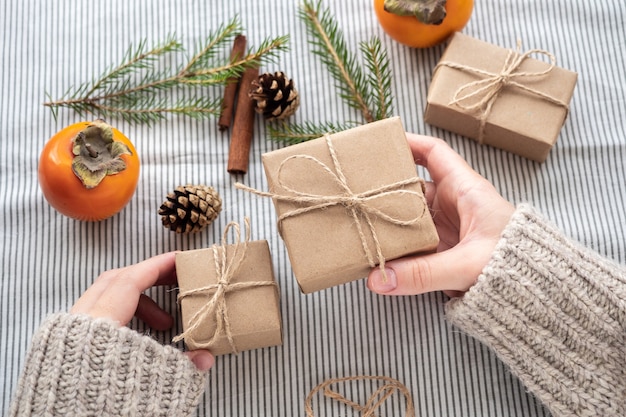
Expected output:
(327, 42)
(138, 90)
(292, 133)
(369, 92)
(379, 78)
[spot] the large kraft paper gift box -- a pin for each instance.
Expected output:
(246, 309)
(515, 101)
(365, 207)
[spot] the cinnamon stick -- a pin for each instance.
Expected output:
(230, 91)
(243, 125)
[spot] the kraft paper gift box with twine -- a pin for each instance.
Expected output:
(348, 202)
(228, 296)
(500, 97)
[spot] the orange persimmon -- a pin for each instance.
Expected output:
(412, 28)
(88, 171)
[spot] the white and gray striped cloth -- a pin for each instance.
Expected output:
(49, 260)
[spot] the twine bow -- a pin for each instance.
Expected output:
(373, 403)
(481, 94)
(226, 267)
(355, 203)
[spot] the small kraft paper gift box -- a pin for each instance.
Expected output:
(511, 100)
(229, 297)
(347, 202)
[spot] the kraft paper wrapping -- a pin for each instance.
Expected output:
(324, 245)
(253, 313)
(519, 121)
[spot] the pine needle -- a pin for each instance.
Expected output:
(368, 92)
(328, 43)
(379, 79)
(292, 133)
(137, 90)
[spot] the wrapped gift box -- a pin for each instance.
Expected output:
(252, 311)
(331, 240)
(523, 116)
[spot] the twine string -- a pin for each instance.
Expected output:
(226, 267)
(373, 403)
(356, 204)
(481, 95)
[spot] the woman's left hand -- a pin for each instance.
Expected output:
(118, 295)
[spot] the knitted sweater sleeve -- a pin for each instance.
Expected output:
(78, 365)
(555, 313)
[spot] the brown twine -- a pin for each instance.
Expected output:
(487, 90)
(355, 203)
(373, 403)
(225, 267)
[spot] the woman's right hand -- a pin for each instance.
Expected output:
(470, 216)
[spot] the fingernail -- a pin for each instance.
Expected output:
(383, 283)
(203, 361)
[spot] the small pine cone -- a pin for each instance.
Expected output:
(190, 208)
(275, 96)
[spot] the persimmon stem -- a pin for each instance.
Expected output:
(92, 152)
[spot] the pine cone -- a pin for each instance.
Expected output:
(190, 208)
(275, 96)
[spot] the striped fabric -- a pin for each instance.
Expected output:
(48, 260)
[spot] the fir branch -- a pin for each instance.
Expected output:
(292, 133)
(369, 93)
(134, 60)
(206, 54)
(328, 43)
(267, 51)
(116, 81)
(137, 91)
(150, 109)
(378, 80)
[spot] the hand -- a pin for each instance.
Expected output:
(117, 294)
(469, 215)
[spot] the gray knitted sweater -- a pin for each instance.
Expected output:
(552, 310)
(79, 366)
(555, 313)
